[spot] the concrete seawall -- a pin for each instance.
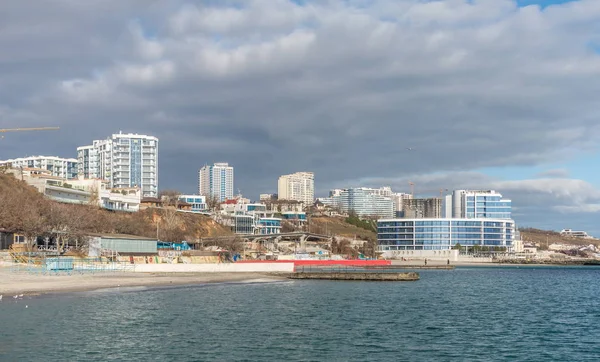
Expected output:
(411, 276)
(216, 268)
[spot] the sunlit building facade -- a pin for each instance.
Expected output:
(124, 160)
(299, 186)
(472, 204)
(216, 181)
(59, 167)
(444, 233)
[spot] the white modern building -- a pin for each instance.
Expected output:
(198, 202)
(470, 204)
(124, 160)
(82, 191)
(444, 233)
(58, 166)
(250, 218)
(299, 186)
(575, 234)
(363, 201)
(216, 181)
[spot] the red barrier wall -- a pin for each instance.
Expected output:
(324, 262)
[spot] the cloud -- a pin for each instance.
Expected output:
(554, 173)
(547, 203)
(338, 88)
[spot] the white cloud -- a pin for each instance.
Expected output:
(339, 88)
(554, 173)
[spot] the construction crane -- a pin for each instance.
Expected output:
(412, 190)
(4, 130)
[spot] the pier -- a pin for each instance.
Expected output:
(366, 273)
(369, 276)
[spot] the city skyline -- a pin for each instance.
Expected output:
(477, 95)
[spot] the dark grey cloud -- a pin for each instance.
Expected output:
(273, 87)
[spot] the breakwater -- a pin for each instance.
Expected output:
(548, 261)
(369, 276)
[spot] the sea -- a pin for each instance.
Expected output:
(518, 313)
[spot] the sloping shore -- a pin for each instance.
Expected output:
(12, 283)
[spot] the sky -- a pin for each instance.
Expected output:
(487, 94)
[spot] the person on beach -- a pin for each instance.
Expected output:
(448, 263)
(425, 261)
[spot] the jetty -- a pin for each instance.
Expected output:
(366, 273)
(367, 276)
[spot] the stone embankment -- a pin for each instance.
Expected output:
(410, 276)
(553, 261)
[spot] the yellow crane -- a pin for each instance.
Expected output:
(4, 130)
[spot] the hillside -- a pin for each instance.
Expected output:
(339, 226)
(543, 238)
(26, 211)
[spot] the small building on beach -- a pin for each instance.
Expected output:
(107, 244)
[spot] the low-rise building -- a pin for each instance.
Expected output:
(81, 191)
(249, 218)
(444, 233)
(575, 234)
(57, 166)
(154, 202)
(281, 206)
(267, 197)
(197, 202)
(117, 244)
(297, 217)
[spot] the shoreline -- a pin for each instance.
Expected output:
(12, 283)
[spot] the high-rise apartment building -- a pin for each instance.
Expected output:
(422, 208)
(216, 181)
(60, 167)
(472, 204)
(299, 186)
(365, 202)
(398, 199)
(124, 160)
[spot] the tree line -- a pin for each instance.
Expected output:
(26, 211)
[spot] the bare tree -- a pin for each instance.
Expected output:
(213, 203)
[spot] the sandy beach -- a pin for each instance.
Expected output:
(12, 283)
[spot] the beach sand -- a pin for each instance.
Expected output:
(21, 282)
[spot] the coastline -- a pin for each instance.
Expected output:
(12, 283)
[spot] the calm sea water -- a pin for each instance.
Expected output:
(469, 314)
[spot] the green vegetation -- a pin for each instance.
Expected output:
(353, 219)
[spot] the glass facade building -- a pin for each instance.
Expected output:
(443, 234)
(198, 202)
(267, 226)
(363, 201)
(475, 204)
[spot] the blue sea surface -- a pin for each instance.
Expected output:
(467, 314)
